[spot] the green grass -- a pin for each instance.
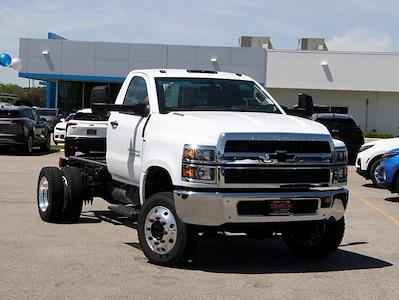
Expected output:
(56, 148)
(382, 135)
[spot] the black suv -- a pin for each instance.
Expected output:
(343, 127)
(21, 128)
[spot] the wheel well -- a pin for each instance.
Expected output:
(371, 163)
(157, 180)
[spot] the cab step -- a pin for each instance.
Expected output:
(125, 210)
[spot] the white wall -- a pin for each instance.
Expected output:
(382, 111)
(356, 71)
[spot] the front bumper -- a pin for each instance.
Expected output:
(218, 208)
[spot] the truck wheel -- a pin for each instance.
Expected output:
(315, 240)
(164, 239)
(373, 174)
(73, 193)
(69, 151)
(50, 194)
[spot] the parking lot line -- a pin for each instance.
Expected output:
(376, 208)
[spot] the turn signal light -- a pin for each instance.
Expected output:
(189, 172)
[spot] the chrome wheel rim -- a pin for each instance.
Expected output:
(160, 230)
(378, 174)
(43, 194)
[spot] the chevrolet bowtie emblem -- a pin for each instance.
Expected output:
(278, 156)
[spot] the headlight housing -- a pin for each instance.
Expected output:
(390, 154)
(365, 147)
(197, 163)
(341, 155)
(199, 154)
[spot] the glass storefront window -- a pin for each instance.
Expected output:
(69, 96)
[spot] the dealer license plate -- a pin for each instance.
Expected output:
(280, 207)
(91, 131)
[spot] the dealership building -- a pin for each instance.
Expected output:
(366, 83)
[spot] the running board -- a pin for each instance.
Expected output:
(125, 210)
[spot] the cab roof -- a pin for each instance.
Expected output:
(184, 73)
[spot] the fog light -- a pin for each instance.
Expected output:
(326, 202)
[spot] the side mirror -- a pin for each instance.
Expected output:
(62, 120)
(43, 119)
(104, 109)
(100, 94)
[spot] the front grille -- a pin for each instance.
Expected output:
(263, 208)
(268, 175)
(274, 146)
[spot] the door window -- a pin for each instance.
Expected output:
(136, 92)
(35, 115)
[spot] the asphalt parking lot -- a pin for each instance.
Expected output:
(99, 257)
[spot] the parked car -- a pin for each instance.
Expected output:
(370, 155)
(85, 132)
(50, 114)
(21, 128)
(387, 172)
(343, 127)
(59, 129)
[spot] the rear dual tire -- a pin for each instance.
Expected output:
(60, 194)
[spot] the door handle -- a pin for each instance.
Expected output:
(114, 124)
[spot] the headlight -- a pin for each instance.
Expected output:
(365, 147)
(341, 155)
(201, 154)
(203, 173)
(196, 163)
(340, 174)
(389, 155)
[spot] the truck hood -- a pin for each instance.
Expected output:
(206, 127)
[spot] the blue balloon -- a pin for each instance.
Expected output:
(5, 60)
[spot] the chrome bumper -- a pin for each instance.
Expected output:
(215, 208)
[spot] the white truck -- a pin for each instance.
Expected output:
(194, 152)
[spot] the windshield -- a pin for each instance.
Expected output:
(70, 117)
(335, 123)
(207, 94)
(89, 117)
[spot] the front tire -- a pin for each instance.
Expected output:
(315, 240)
(373, 174)
(164, 239)
(50, 194)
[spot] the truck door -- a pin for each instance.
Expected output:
(124, 136)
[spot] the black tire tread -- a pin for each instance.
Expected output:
(74, 203)
(56, 194)
(185, 245)
(329, 243)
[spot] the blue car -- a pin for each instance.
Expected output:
(387, 172)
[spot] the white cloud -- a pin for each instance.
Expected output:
(361, 40)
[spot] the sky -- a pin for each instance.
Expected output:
(353, 25)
